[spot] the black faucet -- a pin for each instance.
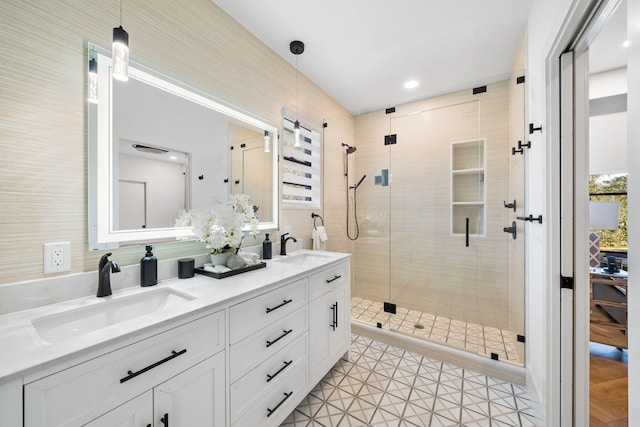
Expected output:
(283, 243)
(105, 268)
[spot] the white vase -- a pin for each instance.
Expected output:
(220, 259)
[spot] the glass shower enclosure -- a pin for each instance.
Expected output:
(434, 260)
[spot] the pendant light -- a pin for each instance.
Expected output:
(120, 53)
(92, 84)
(297, 48)
(267, 142)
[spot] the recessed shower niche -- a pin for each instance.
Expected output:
(467, 187)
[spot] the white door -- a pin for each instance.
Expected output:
(196, 397)
(132, 202)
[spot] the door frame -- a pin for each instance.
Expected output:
(567, 65)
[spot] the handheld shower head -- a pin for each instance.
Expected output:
(350, 148)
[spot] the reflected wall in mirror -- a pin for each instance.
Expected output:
(158, 147)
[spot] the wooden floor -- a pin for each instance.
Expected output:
(608, 386)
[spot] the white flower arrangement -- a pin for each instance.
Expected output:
(220, 226)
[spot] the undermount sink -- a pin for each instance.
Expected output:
(79, 321)
(303, 258)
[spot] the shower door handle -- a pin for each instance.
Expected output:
(467, 233)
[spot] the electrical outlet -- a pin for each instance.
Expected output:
(57, 257)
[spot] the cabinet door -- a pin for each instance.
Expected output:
(196, 397)
(329, 330)
(135, 413)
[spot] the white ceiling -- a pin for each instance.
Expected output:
(361, 52)
(607, 51)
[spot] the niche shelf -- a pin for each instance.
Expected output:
(468, 188)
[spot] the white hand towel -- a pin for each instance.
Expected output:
(318, 244)
(322, 233)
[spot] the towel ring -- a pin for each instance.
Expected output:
(314, 216)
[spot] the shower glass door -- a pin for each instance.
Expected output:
(437, 221)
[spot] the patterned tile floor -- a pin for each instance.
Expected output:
(384, 385)
(472, 337)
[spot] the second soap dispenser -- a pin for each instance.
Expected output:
(149, 269)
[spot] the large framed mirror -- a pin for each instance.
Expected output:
(158, 147)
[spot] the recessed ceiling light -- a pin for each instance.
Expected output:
(411, 84)
(173, 158)
(626, 43)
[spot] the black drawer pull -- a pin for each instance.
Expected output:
(285, 333)
(165, 420)
(335, 278)
(284, 302)
(132, 374)
(270, 377)
(271, 411)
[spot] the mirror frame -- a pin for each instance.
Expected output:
(100, 217)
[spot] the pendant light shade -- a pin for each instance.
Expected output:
(296, 134)
(267, 142)
(92, 83)
(120, 54)
(297, 48)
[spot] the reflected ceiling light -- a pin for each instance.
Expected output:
(147, 149)
(297, 48)
(173, 157)
(93, 81)
(120, 52)
(411, 84)
(267, 142)
(626, 43)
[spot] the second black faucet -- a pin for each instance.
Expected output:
(283, 243)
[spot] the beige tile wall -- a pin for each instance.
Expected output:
(43, 157)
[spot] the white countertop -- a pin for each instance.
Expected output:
(24, 351)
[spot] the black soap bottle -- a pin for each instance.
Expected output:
(148, 269)
(266, 247)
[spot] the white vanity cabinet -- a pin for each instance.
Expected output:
(181, 371)
(268, 355)
(245, 360)
(330, 321)
(181, 401)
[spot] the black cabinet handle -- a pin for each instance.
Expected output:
(270, 377)
(285, 333)
(284, 302)
(336, 314)
(334, 279)
(271, 411)
(132, 374)
(333, 317)
(165, 420)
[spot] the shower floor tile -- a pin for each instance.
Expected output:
(483, 340)
(383, 385)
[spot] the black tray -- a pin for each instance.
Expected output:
(230, 273)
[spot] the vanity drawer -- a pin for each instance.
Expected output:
(273, 407)
(252, 315)
(251, 351)
(81, 393)
(328, 279)
(267, 377)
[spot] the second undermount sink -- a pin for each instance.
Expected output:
(79, 321)
(303, 258)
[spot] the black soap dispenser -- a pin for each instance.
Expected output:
(148, 269)
(266, 247)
